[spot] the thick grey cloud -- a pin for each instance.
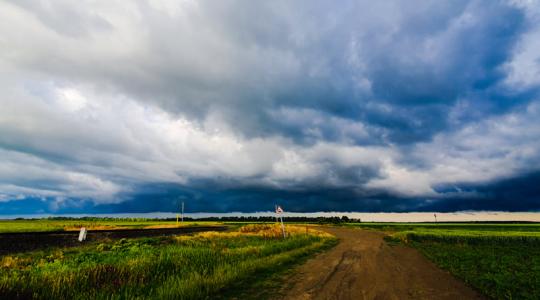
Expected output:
(369, 98)
(250, 60)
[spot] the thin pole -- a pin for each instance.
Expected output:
(182, 211)
(178, 216)
(282, 226)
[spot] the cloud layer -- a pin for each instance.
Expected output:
(238, 104)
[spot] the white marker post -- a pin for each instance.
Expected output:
(279, 211)
(182, 211)
(82, 234)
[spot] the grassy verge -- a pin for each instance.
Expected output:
(183, 267)
(502, 264)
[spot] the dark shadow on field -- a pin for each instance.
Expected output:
(28, 241)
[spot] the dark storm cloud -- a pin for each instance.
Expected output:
(232, 104)
(498, 195)
(520, 193)
(167, 197)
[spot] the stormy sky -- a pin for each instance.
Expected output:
(120, 106)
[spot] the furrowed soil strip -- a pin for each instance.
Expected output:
(363, 266)
(28, 241)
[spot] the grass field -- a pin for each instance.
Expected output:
(181, 267)
(43, 225)
(500, 260)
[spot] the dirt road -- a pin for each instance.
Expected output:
(363, 266)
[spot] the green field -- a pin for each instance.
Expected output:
(43, 225)
(181, 267)
(500, 260)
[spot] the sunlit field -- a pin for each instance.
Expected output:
(500, 260)
(44, 225)
(178, 267)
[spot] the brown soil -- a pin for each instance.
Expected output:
(28, 241)
(364, 266)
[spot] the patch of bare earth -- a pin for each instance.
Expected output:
(29, 241)
(363, 266)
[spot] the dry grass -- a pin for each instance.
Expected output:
(267, 231)
(13, 262)
(92, 227)
(97, 227)
(164, 226)
(275, 230)
(105, 224)
(201, 266)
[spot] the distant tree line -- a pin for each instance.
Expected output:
(314, 220)
(317, 220)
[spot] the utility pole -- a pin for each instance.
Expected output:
(182, 211)
(181, 214)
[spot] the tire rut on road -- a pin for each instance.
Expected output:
(363, 266)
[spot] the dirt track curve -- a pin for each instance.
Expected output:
(363, 266)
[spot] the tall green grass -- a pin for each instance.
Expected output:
(198, 267)
(499, 271)
(470, 237)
